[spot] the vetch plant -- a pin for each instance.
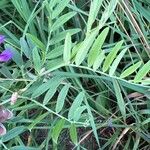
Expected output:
(80, 76)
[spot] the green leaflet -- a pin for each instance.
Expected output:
(37, 120)
(25, 48)
(67, 48)
(57, 130)
(37, 42)
(24, 148)
(36, 59)
(54, 64)
(17, 58)
(94, 9)
(60, 7)
(47, 85)
(96, 48)
(61, 98)
(73, 134)
(61, 35)
(107, 12)
(111, 56)
(76, 103)
(100, 104)
(142, 72)
(52, 89)
(78, 112)
(98, 61)
(146, 121)
(130, 70)
(61, 20)
(116, 62)
(55, 53)
(85, 46)
(11, 134)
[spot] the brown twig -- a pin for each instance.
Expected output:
(120, 137)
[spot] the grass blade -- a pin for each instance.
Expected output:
(120, 100)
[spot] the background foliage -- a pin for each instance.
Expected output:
(81, 71)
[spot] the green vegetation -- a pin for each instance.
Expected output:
(79, 75)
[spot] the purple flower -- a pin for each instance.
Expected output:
(6, 55)
(4, 115)
(2, 38)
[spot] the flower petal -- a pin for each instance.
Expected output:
(2, 38)
(6, 55)
(2, 129)
(5, 114)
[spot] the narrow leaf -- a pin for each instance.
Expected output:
(142, 72)
(37, 42)
(11, 134)
(37, 120)
(61, 20)
(99, 60)
(57, 130)
(73, 134)
(36, 59)
(147, 121)
(116, 62)
(61, 35)
(85, 46)
(96, 48)
(78, 112)
(111, 56)
(52, 90)
(17, 58)
(120, 100)
(45, 86)
(24, 148)
(60, 7)
(76, 103)
(25, 48)
(107, 13)
(92, 123)
(131, 69)
(94, 9)
(61, 98)
(67, 48)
